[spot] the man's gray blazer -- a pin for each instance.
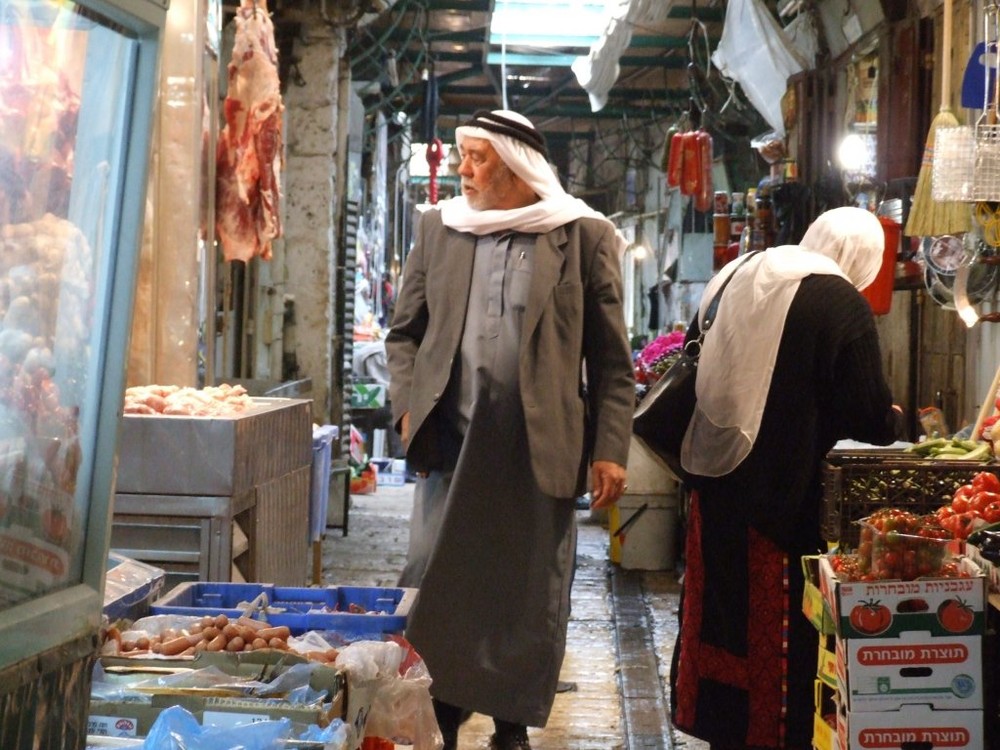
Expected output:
(574, 414)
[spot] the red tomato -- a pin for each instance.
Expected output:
(981, 499)
(986, 480)
(964, 523)
(960, 503)
(991, 513)
(943, 512)
(955, 616)
(963, 493)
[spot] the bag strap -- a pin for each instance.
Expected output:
(713, 306)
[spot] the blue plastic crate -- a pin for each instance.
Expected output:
(302, 609)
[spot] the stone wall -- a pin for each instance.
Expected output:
(311, 196)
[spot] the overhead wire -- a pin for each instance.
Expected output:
(372, 44)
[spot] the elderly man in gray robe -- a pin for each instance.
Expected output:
(512, 387)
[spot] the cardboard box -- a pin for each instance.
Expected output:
(128, 718)
(816, 610)
(885, 609)
(884, 674)
(368, 396)
(121, 718)
(824, 736)
(824, 731)
(990, 570)
(826, 667)
(392, 479)
(218, 455)
(910, 726)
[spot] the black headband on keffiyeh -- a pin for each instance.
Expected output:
(501, 125)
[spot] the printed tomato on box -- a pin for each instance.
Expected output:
(953, 606)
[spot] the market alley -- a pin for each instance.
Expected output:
(621, 631)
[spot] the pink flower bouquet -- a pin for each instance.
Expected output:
(657, 356)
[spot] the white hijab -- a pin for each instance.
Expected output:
(554, 208)
(740, 349)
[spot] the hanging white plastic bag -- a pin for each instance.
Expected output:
(804, 38)
(755, 52)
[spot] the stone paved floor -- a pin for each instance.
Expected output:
(620, 640)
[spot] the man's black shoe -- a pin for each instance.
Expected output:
(510, 743)
(509, 737)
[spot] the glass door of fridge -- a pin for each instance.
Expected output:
(77, 90)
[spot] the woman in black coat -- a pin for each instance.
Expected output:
(790, 366)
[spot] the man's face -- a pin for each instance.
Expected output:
(488, 183)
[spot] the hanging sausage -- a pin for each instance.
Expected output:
(675, 158)
(704, 194)
(689, 166)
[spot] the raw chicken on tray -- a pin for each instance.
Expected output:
(249, 156)
(211, 401)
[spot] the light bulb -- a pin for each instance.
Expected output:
(851, 152)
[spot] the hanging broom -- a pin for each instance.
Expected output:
(928, 217)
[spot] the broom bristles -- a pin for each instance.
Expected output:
(928, 217)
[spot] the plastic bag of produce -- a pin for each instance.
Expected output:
(401, 708)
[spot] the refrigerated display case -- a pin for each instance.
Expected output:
(77, 93)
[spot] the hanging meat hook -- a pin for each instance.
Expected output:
(697, 75)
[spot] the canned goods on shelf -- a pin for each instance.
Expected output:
(721, 202)
(738, 207)
(722, 225)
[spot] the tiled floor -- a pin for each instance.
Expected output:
(621, 632)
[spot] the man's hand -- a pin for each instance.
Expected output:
(404, 434)
(607, 483)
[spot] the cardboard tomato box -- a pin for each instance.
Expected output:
(824, 736)
(990, 570)
(884, 674)
(816, 610)
(825, 717)
(826, 667)
(886, 608)
(910, 727)
(128, 715)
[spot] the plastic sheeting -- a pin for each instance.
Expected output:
(599, 69)
(755, 52)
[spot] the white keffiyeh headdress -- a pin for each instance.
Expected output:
(522, 149)
(738, 356)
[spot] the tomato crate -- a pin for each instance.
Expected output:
(936, 607)
(856, 484)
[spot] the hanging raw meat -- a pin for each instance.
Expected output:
(249, 157)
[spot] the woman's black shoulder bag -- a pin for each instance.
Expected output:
(663, 415)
